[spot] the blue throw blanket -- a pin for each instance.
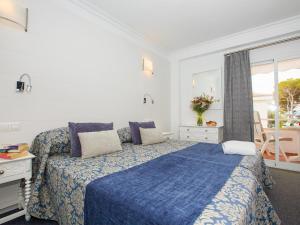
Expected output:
(170, 190)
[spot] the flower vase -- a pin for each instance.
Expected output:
(199, 119)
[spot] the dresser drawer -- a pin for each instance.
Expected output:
(198, 136)
(185, 129)
(187, 136)
(201, 134)
(198, 130)
(12, 169)
(209, 130)
(209, 137)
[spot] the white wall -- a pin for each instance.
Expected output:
(280, 52)
(81, 71)
(210, 55)
(192, 66)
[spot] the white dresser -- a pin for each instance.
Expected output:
(201, 134)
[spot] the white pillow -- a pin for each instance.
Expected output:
(151, 136)
(239, 147)
(99, 143)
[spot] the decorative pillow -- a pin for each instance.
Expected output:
(239, 147)
(135, 131)
(151, 136)
(124, 134)
(75, 128)
(99, 143)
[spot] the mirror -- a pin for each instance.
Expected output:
(210, 83)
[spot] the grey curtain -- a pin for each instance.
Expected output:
(238, 102)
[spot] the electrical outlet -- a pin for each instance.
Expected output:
(9, 126)
(4, 127)
(14, 126)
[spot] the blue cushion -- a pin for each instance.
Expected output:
(135, 130)
(75, 128)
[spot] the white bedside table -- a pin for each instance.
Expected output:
(13, 170)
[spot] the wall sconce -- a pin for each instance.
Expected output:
(145, 98)
(21, 87)
(14, 13)
(194, 83)
(147, 66)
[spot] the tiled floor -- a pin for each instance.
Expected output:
(285, 196)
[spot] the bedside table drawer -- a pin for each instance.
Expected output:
(12, 168)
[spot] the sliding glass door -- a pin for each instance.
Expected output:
(276, 99)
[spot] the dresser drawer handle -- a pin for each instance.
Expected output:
(206, 138)
(187, 136)
(187, 129)
(206, 130)
(1, 172)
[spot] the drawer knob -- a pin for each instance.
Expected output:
(206, 130)
(1, 172)
(205, 138)
(188, 136)
(187, 129)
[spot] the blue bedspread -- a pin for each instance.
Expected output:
(172, 189)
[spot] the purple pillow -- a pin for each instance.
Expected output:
(135, 130)
(75, 128)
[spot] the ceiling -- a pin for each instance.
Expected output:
(174, 24)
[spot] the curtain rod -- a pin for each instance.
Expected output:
(267, 44)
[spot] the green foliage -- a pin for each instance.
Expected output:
(271, 120)
(289, 94)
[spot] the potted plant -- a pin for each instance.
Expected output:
(200, 104)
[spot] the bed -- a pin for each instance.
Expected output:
(60, 182)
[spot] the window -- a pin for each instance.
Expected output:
(276, 99)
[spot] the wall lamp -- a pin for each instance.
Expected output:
(21, 87)
(149, 96)
(14, 13)
(147, 66)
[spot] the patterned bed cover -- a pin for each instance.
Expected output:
(60, 181)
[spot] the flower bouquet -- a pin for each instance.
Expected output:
(200, 104)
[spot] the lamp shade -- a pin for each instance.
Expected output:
(14, 13)
(147, 66)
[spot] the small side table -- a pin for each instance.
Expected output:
(13, 170)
